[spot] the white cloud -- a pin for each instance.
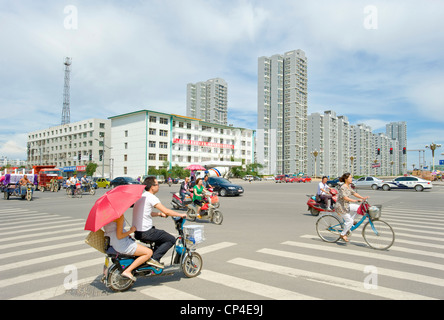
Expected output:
(15, 147)
(129, 55)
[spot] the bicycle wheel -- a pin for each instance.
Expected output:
(329, 228)
(78, 193)
(378, 234)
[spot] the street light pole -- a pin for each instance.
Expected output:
(315, 154)
(433, 146)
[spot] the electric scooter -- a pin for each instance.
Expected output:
(316, 206)
(209, 210)
(184, 259)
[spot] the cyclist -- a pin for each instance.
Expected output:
(343, 203)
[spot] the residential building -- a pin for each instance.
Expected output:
(150, 139)
(208, 101)
(328, 137)
(71, 145)
(361, 149)
(398, 131)
(282, 113)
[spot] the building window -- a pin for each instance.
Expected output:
(152, 131)
(163, 157)
(125, 170)
(163, 121)
(126, 133)
(152, 156)
(163, 133)
(125, 157)
(163, 145)
(153, 119)
(152, 144)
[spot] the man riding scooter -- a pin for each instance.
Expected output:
(324, 193)
(142, 219)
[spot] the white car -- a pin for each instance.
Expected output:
(368, 182)
(408, 182)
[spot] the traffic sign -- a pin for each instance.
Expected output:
(441, 162)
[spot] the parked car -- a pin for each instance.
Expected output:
(103, 183)
(248, 177)
(291, 179)
(280, 178)
(119, 181)
(408, 182)
(304, 179)
(368, 182)
(257, 178)
(224, 187)
(333, 183)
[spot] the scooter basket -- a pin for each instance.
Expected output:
(214, 199)
(194, 234)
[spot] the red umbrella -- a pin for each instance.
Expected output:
(112, 205)
(195, 167)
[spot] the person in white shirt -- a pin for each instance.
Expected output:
(73, 181)
(324, 192)
(143, 212)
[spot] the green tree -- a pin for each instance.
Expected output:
(91, 168)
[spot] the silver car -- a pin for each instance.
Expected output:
(368, 182)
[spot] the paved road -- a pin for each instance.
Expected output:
(266, 248)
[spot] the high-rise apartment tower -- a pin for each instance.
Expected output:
(282, 113)
(208, 101)
(398, 131)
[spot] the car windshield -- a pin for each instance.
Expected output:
(128, 179)
(221, 180)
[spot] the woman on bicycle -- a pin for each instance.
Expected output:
(343, 203)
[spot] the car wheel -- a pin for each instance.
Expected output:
(223, 192)
(419, 187)
(386, 187)
(375, 187)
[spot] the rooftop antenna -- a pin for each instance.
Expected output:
(66, 116)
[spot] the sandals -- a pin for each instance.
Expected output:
(131, 277)
(344, 238)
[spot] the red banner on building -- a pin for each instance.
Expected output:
(203, 143)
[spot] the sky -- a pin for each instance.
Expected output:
(374, 61)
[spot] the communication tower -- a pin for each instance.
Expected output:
(66, 114)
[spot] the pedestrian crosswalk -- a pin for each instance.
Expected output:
(37, 249)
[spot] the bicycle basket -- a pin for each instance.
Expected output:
(194, 234)
(375, 212)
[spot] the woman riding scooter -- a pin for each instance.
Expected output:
(198, 195)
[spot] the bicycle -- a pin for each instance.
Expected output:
(377, 233)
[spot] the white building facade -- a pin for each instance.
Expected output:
(328, 145)
(341, 147)
(282, 113)
(72, 145)
(398, 131)
(147, 139)
(208, 101)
